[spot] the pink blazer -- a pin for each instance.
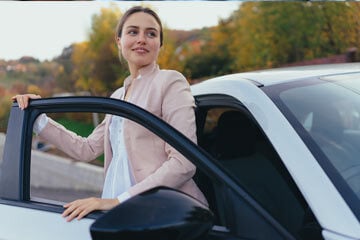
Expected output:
(153, 162)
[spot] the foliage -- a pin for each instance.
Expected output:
(65, 79)
(79, 127)
(269, 34)
(169, 57)
(5, 104)
(212, 56)
(96, 62)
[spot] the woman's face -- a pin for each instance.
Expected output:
(140, 40)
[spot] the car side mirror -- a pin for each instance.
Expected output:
(160, 213)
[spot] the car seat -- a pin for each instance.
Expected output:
(236, 147)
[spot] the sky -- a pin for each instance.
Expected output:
(43, 29)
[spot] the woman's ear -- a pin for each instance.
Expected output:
(118, 42)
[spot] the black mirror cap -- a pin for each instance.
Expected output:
(160, 213)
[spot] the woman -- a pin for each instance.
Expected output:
(135, 159)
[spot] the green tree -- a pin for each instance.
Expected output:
(96, 62)
(102, 43)
(270, 34)
(169, 57)
(65, 80)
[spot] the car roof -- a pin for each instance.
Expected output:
(273, 76)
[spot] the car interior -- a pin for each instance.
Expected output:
(234, 139)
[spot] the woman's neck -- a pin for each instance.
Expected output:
(135, 71)
(134, 74)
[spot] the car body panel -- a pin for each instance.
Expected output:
(329, 235)
(273, 76)
(52, 226)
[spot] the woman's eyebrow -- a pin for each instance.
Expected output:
(152, 28)
(137, 27)
(131, 26)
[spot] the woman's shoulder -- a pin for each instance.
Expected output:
(171, 81)
(171, 72)
(118, 93)
(171, 75)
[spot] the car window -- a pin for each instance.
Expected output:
(16, 178)
(328, 120)
(54, 175)
(235, 140)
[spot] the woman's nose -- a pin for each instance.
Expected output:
(141, 38)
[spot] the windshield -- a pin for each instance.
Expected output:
(327, 111)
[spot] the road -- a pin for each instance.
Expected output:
(61, 195)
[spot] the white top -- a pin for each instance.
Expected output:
(118, 178)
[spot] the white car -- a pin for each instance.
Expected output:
(278, 157)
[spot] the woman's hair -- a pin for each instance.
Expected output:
(137, 9)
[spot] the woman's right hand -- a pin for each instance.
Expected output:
(23, 99)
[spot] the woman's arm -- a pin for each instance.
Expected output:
(77, 147)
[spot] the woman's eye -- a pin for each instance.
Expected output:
(132, 32)
(152, 34)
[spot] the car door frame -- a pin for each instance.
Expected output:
(15, 181)
(17, 175)
(209, 101)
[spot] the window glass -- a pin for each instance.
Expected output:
(330, 115)
(55, 175)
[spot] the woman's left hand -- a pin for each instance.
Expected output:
(81, 207)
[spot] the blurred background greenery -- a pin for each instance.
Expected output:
(257, 35)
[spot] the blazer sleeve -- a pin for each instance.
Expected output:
(77, 147)
(178, 110)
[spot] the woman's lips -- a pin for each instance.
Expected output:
(140, 50)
